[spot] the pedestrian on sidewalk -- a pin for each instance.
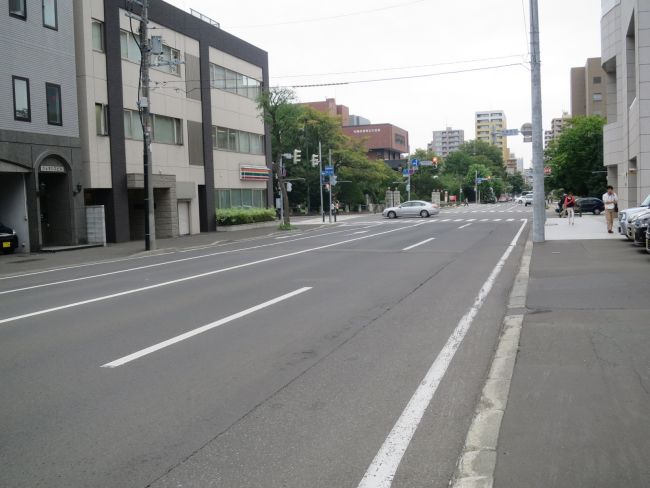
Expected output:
(569, 205)
(610, 199)
(561, 205)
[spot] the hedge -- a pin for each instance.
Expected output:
(238, 216)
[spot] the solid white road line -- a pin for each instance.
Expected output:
(200, 330)
(418, 244)
(174, 261)
(360, 232)
(458, 220)
(463, 226)
(193, 277)
(445, 220)
(471, 220)
(484, 220)
(382, 470)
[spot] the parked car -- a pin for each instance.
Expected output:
(412, 208)
(638, 227)
(8, 239)
(625, 215)
(647, 240)
(522, 198)
(528, 199)
(590, 204)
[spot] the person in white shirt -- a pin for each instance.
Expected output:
(610, 199)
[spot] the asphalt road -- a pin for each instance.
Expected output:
(282, 362)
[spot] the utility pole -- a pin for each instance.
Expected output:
(145, 115)
(539, 200)
(320, 176)
(476, 186)
(330, 181)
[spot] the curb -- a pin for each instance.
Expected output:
(258, 225)
(477, 462)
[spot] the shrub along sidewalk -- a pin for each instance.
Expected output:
(239, 216)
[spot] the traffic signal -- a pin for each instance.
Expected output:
(434, 160)
(314, 160)
(296, 156)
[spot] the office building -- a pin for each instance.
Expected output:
(557, 126)
(588, 89)
(446, 141)
(625, 43)
(489, 125)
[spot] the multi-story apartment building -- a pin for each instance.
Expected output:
(557, 126)
(625, 44)
(71, 133)
(588, 89)
(382, 141)
(446, 141)
(40, 149)
(207, 135)
(489, 125)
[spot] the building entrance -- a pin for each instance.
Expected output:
(55, 203)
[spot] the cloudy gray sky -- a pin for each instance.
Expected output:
(364, 40)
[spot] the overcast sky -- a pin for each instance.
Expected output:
(363, 40)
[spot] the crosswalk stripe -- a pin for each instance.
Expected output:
(496, 220)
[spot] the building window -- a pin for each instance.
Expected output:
(170, 54)
(53, 100)
(224, 79)
(98, 35)
(400, 140)
(237, 141)
(597, 97)
(22, 108)
(18, 9)
(240, 197)
(167, 130)
(129, 47)
(49, 14)
(597, 80)
(101, 119)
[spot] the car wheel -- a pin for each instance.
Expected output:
(424, 214)
(391, 215)
(596, 211)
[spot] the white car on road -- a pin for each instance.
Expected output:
(412, 208)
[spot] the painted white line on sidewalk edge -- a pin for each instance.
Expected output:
(193, 277)
(418, 244)
(200, 330)
(382, 470)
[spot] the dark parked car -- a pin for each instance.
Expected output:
(639, 226)
(8, 239)
(590, 204)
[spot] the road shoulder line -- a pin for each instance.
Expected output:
(477, 462)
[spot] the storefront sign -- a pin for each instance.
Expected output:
(52, 167)
(254, 173)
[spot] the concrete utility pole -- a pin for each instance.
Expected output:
(539, 199)
(145, 115)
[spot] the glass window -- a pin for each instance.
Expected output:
(53, 98)
(223, 198)
(242, 84)
(235, 197)
(22, 109)
(218, 77)
(49, 14)
(597, 97)
(128, 131)
(246, 197)
(257, 198)
(171, 54)
(17, 8)
(597, 80)
(163, 129)
(222, 138)
(257, 144)
(231, 81)
(244, 142)
(101, 119)
(253, 88)
(132, 125)
(178, 127)
(98, 35)
(129, 47)
(232, 140)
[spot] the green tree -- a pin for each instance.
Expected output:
(576, 157)
(516, 183)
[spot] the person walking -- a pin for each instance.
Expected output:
(561, 205)
(610, 199)
(569, 205)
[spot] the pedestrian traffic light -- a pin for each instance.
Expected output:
(296, 156)
(289, 186)
(314, 160)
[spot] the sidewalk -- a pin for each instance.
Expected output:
(579, 403)
(20, 263)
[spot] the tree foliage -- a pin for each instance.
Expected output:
(576, 158)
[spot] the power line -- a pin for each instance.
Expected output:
(448, 63)
(330, 17)
(523, 11)
(408, 77)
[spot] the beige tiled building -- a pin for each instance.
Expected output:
(588, 89)
(489, 125)
(625, 31)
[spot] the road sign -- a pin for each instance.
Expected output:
(411, 171)
(509, 132)
(329, 170)
(405, 172)
(426, 163)
(479, 180)
(415, 162)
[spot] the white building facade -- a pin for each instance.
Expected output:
(446, 141)
(625, 43)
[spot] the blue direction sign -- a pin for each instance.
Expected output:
(405, 172)
(415, 162)
(329, 170)
(480, 180)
